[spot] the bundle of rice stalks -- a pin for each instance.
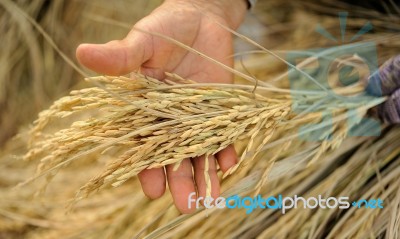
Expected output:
(146, 123)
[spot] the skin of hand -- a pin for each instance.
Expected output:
(192, 22)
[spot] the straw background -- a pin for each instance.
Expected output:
(33, 75)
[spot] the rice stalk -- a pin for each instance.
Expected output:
(204, 121)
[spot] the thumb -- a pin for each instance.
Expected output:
(117, 57)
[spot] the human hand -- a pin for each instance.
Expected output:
(191, 22)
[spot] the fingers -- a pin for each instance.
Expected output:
(181, 185)
(199, 176)
(115, 57)
(153, 182)
(181, 181)
(227, 158)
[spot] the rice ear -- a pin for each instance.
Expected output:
(194, 121)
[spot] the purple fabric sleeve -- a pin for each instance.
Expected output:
(386, 82)
(389, 111)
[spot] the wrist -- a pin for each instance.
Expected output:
(232, 11)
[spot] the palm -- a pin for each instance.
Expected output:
(154, 56)
(200, 32)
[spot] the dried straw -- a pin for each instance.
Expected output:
(70, 136)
